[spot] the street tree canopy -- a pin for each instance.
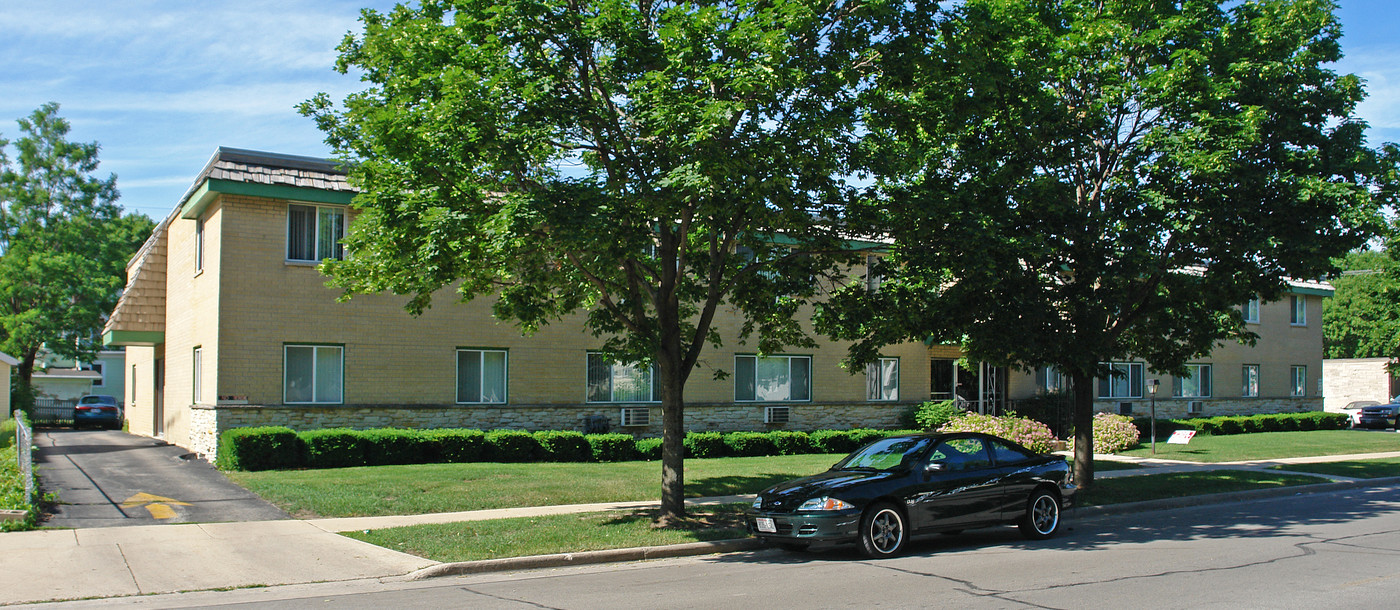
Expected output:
(645, 162)
(64, 243)
(1362, 319)
(1073, 183)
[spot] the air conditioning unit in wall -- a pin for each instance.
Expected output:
(776, 415)
(1125, 408)
(1196, 407)
(636, 416)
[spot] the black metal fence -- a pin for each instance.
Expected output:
(53, 411)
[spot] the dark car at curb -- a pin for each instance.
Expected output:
(100, 411)
(902, 486)
(1379, 416)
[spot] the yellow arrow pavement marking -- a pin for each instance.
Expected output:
(158, 506)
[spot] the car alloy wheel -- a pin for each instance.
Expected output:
(1042, 517)
(882, 531)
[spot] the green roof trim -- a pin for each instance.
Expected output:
(1317, 292)
(213, 187)
(133, 337)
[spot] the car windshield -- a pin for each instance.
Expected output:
(886, 454)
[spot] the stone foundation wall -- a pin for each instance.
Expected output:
(1175, 408)
(208, 422)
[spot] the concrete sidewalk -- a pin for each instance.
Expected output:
(123, 561)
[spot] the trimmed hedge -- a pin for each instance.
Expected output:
(1246, 424)
(704, 445)
(455, 445)
(334, 448)
(512, 446)
(265, 448)
(564, 446)
(613, 447)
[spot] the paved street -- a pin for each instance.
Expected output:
(107, 478)
(1334, 550)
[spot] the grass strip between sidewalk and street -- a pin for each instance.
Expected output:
(1272, 445)
(525, 536)
(1359, 469)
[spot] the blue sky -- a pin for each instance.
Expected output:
(161, 83)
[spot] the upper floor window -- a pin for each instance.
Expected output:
(772, 378)
(1196, 383)
(1250, 310)
(613, 382)
(481, 376)
(101, 377)
(1299, 307)
(314, 232)
(1124, 380)
(882, 380)
(199, 244)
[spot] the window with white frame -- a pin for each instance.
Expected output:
(101, 377)
(873, 278)
(1300, 381)
(772, 378)
(481, 376)
(313, 374)
(197, 391)
(1124, 380)
(199, 244)
(1298, 305)
(1250, 311)
(882, 380)
(613, 382)
(314, 232)
(1196, 383)
(1048, 379)
(1250, 378)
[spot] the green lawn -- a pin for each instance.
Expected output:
(468, 541)
(1273, 445)
(438, 488)
(1360, 469)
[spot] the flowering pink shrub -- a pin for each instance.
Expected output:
(1029, 433)
(1113, 433)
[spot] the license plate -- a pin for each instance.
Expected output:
(766, 525)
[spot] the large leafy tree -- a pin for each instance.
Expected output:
(648, 162)
(64, 243)
(1074, 182)
(1362, 319)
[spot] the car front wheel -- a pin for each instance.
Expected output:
(882, 531)
(1042, 518)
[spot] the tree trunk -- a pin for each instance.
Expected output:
(1083, 430)
(672, 444)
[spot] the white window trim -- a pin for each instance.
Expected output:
(612, 388)
(756, 358)
(1244, 387)
(1250, 311)
(505, 375)
(1130, 365)
(1178, 383)
(1297, 310)
(878, 366)
(287, 231)
(101, 371)
(316, 356)
(1296, 389)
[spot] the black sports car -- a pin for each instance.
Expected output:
(897, 487)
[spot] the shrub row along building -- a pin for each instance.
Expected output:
(228, 323)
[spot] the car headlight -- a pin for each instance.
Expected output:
(758, 502)
(825, 503)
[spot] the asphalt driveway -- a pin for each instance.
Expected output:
(109, 478)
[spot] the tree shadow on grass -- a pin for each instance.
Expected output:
(734, 485)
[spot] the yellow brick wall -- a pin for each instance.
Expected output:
(266, 302)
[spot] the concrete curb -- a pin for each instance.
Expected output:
(585, 557)
(750, 544)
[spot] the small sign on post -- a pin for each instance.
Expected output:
(1181, 437)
